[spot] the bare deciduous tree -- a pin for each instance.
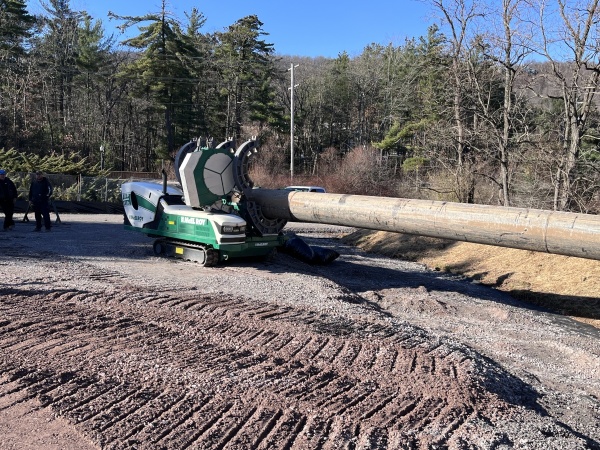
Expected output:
(459, 17)
(570, 44)
(507, 45)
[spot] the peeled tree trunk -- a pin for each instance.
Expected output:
(561, 233)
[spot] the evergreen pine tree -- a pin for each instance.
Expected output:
(162, 68)
(246, 65)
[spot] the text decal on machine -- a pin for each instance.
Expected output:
(193, 220)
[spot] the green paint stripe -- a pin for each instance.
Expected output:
(143, 203)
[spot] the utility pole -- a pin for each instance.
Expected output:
(292, 86)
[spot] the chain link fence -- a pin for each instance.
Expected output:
(77, 193)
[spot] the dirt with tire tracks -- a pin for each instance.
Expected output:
(104, 345)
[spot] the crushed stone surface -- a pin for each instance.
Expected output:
(104, 345)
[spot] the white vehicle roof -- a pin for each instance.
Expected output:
(306, 188)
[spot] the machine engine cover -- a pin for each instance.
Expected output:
(140, 201)
(206, 176)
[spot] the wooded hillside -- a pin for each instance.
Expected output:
(496, 104)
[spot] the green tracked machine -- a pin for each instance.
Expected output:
(211, 219)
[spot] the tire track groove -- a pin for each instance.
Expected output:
(143, 419)
(135, 368)
(188, 432)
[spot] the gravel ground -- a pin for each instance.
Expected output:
(104, 345)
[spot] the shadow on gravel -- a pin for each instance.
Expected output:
(350, 272)
(76, 238)
(103, 237)
(568, 305)
(360, 278)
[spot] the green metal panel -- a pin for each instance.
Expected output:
(254, 246)
(188, 229)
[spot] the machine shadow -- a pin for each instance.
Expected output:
(351, 272)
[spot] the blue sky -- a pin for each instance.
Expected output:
(302, 28)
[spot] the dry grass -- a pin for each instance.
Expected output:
(562, 284)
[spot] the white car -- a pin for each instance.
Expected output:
(306, 188)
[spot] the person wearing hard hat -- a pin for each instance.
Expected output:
(8, 197)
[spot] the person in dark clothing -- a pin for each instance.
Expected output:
(39, 196)
(8, 197)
